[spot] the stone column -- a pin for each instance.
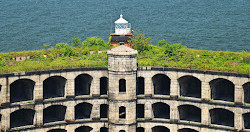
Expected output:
(148, 111)
(174, 115)
(238, 92)
(70, 112)
(5, 92)
(205, 115)
(38, 91)
(205, 91)
(174, 88)
(95, 87)
(95, 115)
(39, 115)
(148, 86)
(5, 122)
(238, 119)
(70, 88)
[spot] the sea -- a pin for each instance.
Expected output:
(221, 25)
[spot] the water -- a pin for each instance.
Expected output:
(199, 24)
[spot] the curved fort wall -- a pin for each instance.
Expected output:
(124, 97)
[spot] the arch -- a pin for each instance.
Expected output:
(139, 110)
(54, 113)
(83, 84)
(190, 86)
(160, 129)
(222, 117)
(246, 118)
(83, 110)
(161, 110)
(122, 112)
(104, 111)
(222, 89)
(122, 131)
(103, 85)
(104, 129)
(22, 117)
(187, 130)
(161, 84)
(83, 129)
(54, 87)
(122, 85)
(189, 113)
(140, 86)
(21, 90)
(140, 129)
(57, 130)
(246, 88)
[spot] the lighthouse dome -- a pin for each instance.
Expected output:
(121, 20)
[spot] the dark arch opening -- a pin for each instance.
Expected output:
(21, 90)
(103, 85)
(54, 87)
(222, 89)
(190, 86)
(139, 110)
(161, 84)
(246, 88)
(222, 117)
(83, 110)
(122, 131)
(140, 129)
(246, 118)
(140, 86)
(122, 85)
(83, 129)
(189, 113)
(104, 111)
(160, 129)
(54, 113)
(187, 130)
(0, 118)
(104, 129)
(57, 130)
(83, 84)
(22, 117)
(122, 112)
(161, 110)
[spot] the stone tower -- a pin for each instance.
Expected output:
(122, 70)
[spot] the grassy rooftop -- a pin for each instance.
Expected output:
(92, 53)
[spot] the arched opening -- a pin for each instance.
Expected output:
(104, 129)
(189, 113)
(22, 117)
(160, 129)
(122, 85)
(140, 86)
(161, 84)
(122, 131)
(21, 90)
(190, 86)
(222, 89)
(83, 84)
(83, 110)
(246, 118)
(161, 110)
(222, 117)
(83, 129)
(103, 85)
(54, 87)
(122, 112)
(57, 130)
(187, 130)
(246, 88)
(54, 113)
(140, 129)
(139, 110)
(104, 111)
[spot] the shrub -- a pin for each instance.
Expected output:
(76, 42)
(62, 45)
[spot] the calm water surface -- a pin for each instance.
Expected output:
(199, 24)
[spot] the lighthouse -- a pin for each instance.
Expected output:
(122, 33)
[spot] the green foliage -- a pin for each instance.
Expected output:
(46, 46)
(93, 41)
(76, 42)
(170, 49)
(62, 45)
(140, 41)
(162, 42)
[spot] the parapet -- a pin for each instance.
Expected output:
(122, 50)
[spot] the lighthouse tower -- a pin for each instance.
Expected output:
(122, 32)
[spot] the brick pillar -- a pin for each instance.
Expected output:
(148, 111)
(174, 115)
(238, 92)
(205, 91)
(149, 90)
(38, 121)
(174, 88)
(70, 112)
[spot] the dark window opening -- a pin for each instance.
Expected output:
(0, 118)
(83, 129)
(140, 86)
(122, 85)
(187, 130)
(57, 130)
(246, 88)
(122, 112)
(21, 90)
(104, 129)
(222, 117)
(222, 89)
(140, 129)
(83, 110)
(161, 110)
(54, 87)
(22, 117)
(189, 113)
(140, 111)
(246, 118)
(160, 129)
(83, 84)
(103, 85)
(104, 111)
(190, 86)
(122, 131)
(161, 84)
(54, 113)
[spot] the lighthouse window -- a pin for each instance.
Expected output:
(122, 85)
(122, 112)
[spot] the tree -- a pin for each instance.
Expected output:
(76, 42)
(140, 41)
